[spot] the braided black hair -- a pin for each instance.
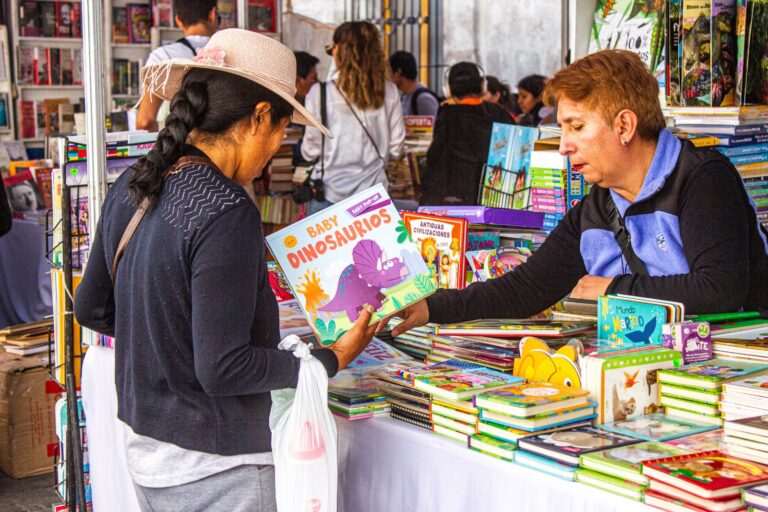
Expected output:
(211, 102)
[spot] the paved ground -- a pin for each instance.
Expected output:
(34, 494)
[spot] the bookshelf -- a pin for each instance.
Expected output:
(6, 103)
(127, 44)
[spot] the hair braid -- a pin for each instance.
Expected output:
(188, 109)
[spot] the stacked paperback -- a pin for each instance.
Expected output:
(27, 339)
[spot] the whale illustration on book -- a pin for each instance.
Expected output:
(643, 335)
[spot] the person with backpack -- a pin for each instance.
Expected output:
(416, 99)
(663, 219)
(198, 20)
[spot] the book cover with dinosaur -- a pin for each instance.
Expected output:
(353, 254)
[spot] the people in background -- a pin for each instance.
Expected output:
(693, 228)
(462, 133)
(198, 20)
(306, 74)
(190, 306)
(498, 92)
(529, 100)
(416, 98)
(364, 115)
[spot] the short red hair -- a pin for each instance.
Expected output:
(608, 82)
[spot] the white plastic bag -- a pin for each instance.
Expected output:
(304, 438)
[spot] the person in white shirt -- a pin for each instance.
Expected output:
(198, 20)
(363, 113)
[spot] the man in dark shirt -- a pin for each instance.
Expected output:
(417, 99)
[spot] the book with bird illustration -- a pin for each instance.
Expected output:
(352, 254)
(624, 321)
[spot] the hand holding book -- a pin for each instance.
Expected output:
(354, 341)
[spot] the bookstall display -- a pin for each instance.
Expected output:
(7, 110)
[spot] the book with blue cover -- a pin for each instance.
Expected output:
(352, 254)
(506, 177)
(656, 427)
(545, 465)
(624, 321)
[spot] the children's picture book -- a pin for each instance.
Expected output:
(633, 25)
(492, 263)
(567, 445)
(757, 496)
(624, 321)
(492, 446)
(545, 465)
(626, 461)
(712, 374)
(506, 177)
(707, 475)
(692, 339)
(755, 386)
(348, 256)
(624, 383)
(564, 418)
(277, 282)
(752, 82)
(526, 400)
(465, 384)
(757, 426)
(706, 441)
(442, 242)
(665, 497)
(656, 427)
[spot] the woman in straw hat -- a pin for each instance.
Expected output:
(364, 113)
(663, 219)
(190, 304)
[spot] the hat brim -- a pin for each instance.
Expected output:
(164, 80)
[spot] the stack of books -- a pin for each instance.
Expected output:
(706, 441)
(747, 438)
(693, 392)
(756, 497)
(620, 470)
(558, 453)
(416, 342)
(745, 398)
(360, 402)
(450, 389)
(27, 339)
(754, 350)
(547, 185)
(710, 481)
(406, 403)
(496, 353)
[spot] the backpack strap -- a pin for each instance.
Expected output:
(186, 43)
(623, 238)
(415, 98)
(130, 229)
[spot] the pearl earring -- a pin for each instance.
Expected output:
(624, 142)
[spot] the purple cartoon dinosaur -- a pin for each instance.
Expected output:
(361, 282)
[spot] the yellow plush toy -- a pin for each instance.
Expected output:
(537, 363)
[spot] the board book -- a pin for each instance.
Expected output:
(442, 242)
(711, 374)
(624, 321)
(515, 328)
(526, 400)
(347, 256)
(626, 461)
(656, 427)
(567, 445)
(463, 385)
(611, 484)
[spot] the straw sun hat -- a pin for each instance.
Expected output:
(256, 57)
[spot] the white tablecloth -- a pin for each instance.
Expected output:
(386, 465)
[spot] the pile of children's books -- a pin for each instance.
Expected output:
(747, 438)
(745, 398)
(693, 392)
(756, 497)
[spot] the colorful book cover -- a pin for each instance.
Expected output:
(674, 12)
(493, 446)
(625, 322)
(756, 425)
(486, 215)
(656, 427)
(506, 176)
(278, 283)
(566, 418)
(624, 384)
(692, 339)
(568, 445)
(706, 474)
(515, 328)
(463, 385)
(711, 374)
(757, 386)
(353, 254)
(634, 25)
(755, 81)
(139, 23)
(483, 240)
(529, 399)
(442, 242)
(706, 441)
(626, 461)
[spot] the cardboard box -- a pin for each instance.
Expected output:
(27, 433)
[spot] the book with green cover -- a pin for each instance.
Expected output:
(613, 485)
(465, 384)
(707, 396)
(526, 400)
(711, 374)
(689, 405)
(512, 435)
(493, 446)
(626, 461)
(542, 421)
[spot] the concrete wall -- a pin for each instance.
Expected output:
(508, 38)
